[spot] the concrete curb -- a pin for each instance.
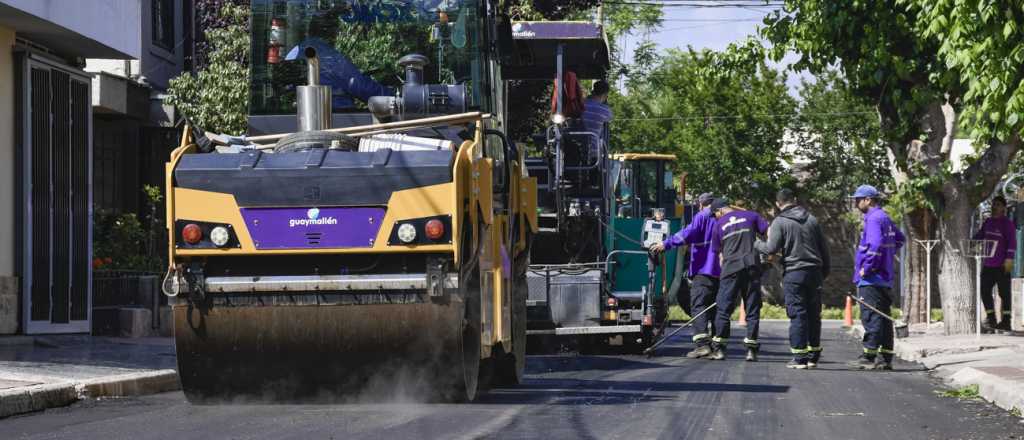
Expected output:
(39, 397)
(132, 384)
(1005, 392)
(36, 398)
(1000, 384)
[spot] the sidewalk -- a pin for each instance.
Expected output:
(994, 362)
(48, 371)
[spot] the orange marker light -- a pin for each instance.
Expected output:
(191, 233)
(434, 229)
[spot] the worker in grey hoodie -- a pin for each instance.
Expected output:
(795, 234)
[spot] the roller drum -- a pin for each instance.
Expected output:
(325, 352)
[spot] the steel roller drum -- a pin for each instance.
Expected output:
(326, 352)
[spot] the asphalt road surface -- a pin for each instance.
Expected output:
(570, 396)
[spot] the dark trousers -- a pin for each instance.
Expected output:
(744, 284)
(802, 290)
(995, 277)
(703, 289)
(878, 336)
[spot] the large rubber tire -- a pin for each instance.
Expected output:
(473, 369)
(308, 140)
(466, 388)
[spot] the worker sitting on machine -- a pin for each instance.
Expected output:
(597, 115)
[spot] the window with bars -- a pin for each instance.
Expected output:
(163, 24)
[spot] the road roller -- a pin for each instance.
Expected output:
(374, 242)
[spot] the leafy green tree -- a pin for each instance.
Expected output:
(217, 97)
(924, 65)
(837, 146)
(724, 114)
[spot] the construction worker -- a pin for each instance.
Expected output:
(873, 274)
(996, 273)
(733, 240)
(597, 115)
(703, 272)
(806, 262)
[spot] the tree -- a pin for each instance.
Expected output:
(838, 145)
(724, 114)
(922, 64)
(217, 97)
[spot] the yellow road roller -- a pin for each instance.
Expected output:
(379, 247)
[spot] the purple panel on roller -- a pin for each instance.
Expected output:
(540, 30)
(311, 228)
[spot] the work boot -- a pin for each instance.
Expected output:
(699, 352)
(717, 353)
(751, 355)
(798, 364)
(1003, 325)
(812, 362)
(989, 326)
(884, 364)
(864, 362)
(987, 329)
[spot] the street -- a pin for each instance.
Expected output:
(588, 397)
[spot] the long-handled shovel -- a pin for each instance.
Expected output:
(650, 350)
(900, 328)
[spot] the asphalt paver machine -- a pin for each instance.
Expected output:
(591, 280)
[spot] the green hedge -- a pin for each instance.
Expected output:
(772, 311)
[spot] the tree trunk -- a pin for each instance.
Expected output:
(919, 227)
(956, 276)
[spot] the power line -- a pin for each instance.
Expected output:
(663, 4)
(762, 116)
(710, 20)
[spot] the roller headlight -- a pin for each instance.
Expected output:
(219, 236)
(406, 233)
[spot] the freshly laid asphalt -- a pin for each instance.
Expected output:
(569, 396)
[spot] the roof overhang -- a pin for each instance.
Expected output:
(584, 50)
(94, 29)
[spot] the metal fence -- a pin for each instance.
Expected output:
(116, 289)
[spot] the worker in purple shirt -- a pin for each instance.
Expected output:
(873, 275)
(1000, 229)
(733, 239)
(703, 272)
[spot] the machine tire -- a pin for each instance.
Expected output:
(308, 140)
(472, 368)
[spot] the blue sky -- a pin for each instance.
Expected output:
(712, 28)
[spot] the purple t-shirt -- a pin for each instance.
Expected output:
(698, 236)
(1004, 233)
(734, 236)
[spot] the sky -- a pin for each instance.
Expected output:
(712, 28)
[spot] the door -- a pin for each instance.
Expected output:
(56, 154)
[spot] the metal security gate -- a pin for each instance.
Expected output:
(56, 115)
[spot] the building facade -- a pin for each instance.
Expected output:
(46, 151)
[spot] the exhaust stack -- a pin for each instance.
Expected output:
(313, 100)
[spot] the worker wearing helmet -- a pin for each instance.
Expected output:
(703, 272)
(873, 275)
